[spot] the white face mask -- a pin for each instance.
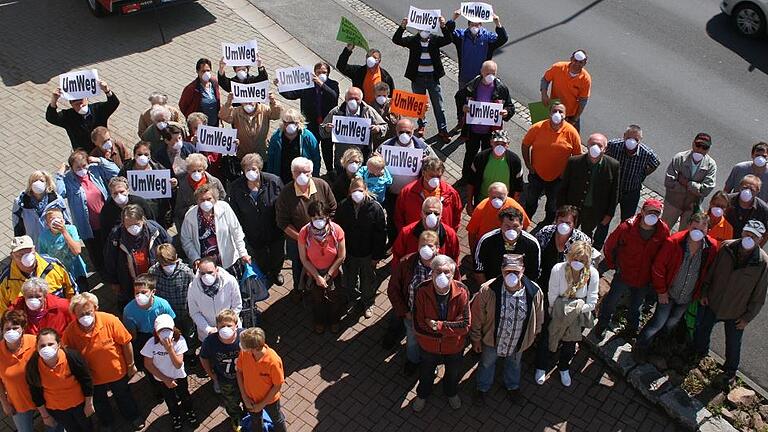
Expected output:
(226, 333)
(511, 280)
(474, 30)
(497, 203)
(499, 150)
(352, 167)
(82, 172)
(696, 235)
(249, 109)
(207, 76)
(208, 279)
(322, 77)
(107, 145)
(563, 228)
(28, 259)
(431, 221)
(747, 243)
(489, 78)
(33, 303)
(206, 206)
(83, 110)
(745, 195)
(49, 352)
(178, 144)
(630, 144)
(319, 223)
(162, 125)
(120, 199)
(38, 186)
(556, 117)
(511, 234)
(169, 269)
(241, 74)
(134, 230)
(697, 157)
(142, 299)
(716, 211)
(164, 334)
(759, 161)
(381, 100)
(434, 182)
(595, 151)
(577, 265)
(12, 336)
(426, 253)
(86, 320)
(370, 62)
(196, 175)
(252, 175)
(424, 34)
(442, 280)
(302, 179)
(291, 129)
(142, 160)
(357, 196)
(404, 138)
(650, 219)
(352, 106)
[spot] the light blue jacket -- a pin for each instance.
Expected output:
(308, 148)
(68, 186)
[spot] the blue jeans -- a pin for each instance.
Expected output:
(707, 320)
(667, 316)
(611, 300)
(292, 250)
(486, 369)
(412, 348)
(25, 422)
(628, 201)
(423, 84)
(536, 188)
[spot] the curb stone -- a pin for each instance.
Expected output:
(717, 424)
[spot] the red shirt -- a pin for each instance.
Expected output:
(94, 201)
(408, 206)
(407, 242)
(56, 316)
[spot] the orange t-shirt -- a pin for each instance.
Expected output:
(485, 218)
(322, 254)
(61, 389)
(13, 373)
(260, 376)
(567, 88)
(101, 348)
(721, 230)
(372, 77)
(551, 149)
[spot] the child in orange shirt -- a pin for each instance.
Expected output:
(260, 377)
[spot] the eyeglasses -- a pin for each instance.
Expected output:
(701, 146)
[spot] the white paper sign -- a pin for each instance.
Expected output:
(484, 113)
(402, 161)
(79, 84)
(424, 19)
(477, 12)
(216, 140)
(351, 130)
(294, 78)
(240, 54)
(150, 184)
(256, 92)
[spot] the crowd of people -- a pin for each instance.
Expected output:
(174, 266)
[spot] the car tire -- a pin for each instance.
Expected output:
(749, 20)
(96, 8)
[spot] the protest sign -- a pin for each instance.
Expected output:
(242, 93)
(240, 54)
(424, 19)
(402, 161)
(79, 84)
(477, 12)
(294, 78)
(408, 104)
(484, 113)
(216, 140)
(539, 111)
(351, 130)
(150, 184)
(350, 34)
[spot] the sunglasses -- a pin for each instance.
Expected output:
(434, 213)
(701, 146)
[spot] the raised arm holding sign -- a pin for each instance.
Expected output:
(216, 140)
(350, 34)
(427, 20)
(351, 130)
(243, 93)
(477, 12)
(484, 113)
(240, 54)
(294, 78)
(150, 184)
(79, 84)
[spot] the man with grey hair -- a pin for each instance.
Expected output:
(590, 183)
(441, 319)
(291, 210)
(162, 117)
(157, 98)
(431, 219)
(636, 162)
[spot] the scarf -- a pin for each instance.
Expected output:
(320, 235)
(211, 290)
(575, 283)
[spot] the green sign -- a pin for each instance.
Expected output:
(350, 34)
(539, 111)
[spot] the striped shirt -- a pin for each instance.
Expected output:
(425, 62)
(633, 167)
(511, 320)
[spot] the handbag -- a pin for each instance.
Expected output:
(254, 284)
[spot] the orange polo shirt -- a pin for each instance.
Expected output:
(101, 348)
(61, 389)
(551, 149)
(259, 376)
(721, 230)
(372, 77)
(567, 88)
(485, 218)
(13, 373)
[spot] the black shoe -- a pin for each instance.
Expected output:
(279, 279)
(639, 355)
(178, 424)
(410, 368)
(478, 399)
(192, 418)
(513, 395)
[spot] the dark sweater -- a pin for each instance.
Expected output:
(79, 127)
(77, 366)
(111, 213)
(413, 43)
(292, 208)
(365, 228)
(356, 73)
(257, 217)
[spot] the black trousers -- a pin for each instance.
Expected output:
(73, 419)
(475, 143)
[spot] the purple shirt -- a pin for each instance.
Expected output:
(483, 93)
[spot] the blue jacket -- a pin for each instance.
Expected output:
(68, 186)
(26, 219)
(308, 149)
(472, 51)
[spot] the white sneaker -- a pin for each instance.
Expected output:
(565, 378)
(541, 375)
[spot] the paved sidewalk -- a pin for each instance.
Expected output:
(333, 383)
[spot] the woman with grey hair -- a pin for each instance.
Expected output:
(42, 308)
(252, 197)
(157, 98)
(197, 175)
(162, 117)
(290, 141)
(29, 207)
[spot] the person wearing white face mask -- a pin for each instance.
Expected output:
(364, 223)
(174, 152)
(430, 183)
(382, 105)
(637, 160)
(404, 137)
(425, 68)
(495, 164)
(108, 147)
(690, 177)
(242, 75)
(83, 117)
(485, 217)
(42, 308)
(507, 314)
(61, 241)
(162, 118)
(140, 313)
(509, 238)
(441, 319)
(145, 119)
(719, 227)
(747, 205)
(105, 344)
(756, 166)
(291, 140)
(351, 160)
(25, 264)
(212, 290)
(590, 182)
(733, 292)
(546, 148)
(571, 84)
(142, 161)
(486, 87)
(202, 94)
(197, 175)
(432, 214)
(365, 76)
(120, 197)
(30, 206)
(252, 123)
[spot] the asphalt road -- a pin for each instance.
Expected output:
(675, 68)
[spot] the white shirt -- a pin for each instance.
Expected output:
(162, 360)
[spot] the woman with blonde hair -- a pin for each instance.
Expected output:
(291, 140)
(573, 289)
(32, 203)
(351, 160)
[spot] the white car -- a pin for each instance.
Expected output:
(748, 15)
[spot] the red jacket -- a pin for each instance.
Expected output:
(407, 241)
(189, 101)
(670, 257)
(401, 278)
(56, 316)
(626, 251)
(452, 332)
(408, 206)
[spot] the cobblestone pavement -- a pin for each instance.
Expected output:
(332, 382)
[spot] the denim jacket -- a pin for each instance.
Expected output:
(68, 187)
